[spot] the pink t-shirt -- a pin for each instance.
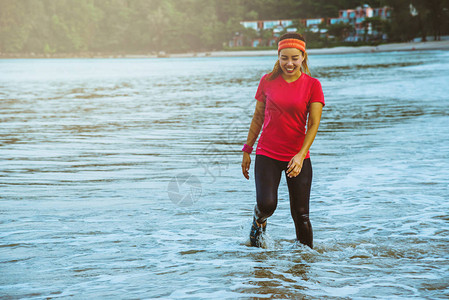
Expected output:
(286, 111)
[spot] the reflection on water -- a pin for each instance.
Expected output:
(362, 69)
(89, 147)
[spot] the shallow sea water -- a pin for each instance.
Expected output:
(121, 178)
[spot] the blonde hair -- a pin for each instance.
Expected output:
(277, 67)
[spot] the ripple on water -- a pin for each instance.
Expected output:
(87, 156)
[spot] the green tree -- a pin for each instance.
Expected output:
(252, 15)
(340, 30)
(437, 10)
(112, 25)
(420, 14)
(49, 26)
(249, 35)
(14, 28)
(298, 25)
(404, 25)
(376, 26)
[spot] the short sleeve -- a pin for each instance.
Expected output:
(316, 94)
(260, 94)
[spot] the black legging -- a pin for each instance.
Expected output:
(268, 175)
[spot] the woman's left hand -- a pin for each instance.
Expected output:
(294, 166)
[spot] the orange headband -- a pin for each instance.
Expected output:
(292, 43)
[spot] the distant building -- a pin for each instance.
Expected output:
(266, 24)
(355, 17)
(275, 26)
(312, 24)
(237, 40)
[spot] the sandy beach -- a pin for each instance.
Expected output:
(411, 46)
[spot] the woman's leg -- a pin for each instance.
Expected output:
(299, 191)
(268, 175)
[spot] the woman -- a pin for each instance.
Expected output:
(287, 100)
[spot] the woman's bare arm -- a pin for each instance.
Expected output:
(313, 123)
(256, 123)
(295, 164)
(254, 130)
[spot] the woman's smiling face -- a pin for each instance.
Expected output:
(290, 60)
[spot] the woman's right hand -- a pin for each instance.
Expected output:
(246, 162)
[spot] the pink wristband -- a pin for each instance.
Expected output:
(247, 149)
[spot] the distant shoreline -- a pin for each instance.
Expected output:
(411, 46)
